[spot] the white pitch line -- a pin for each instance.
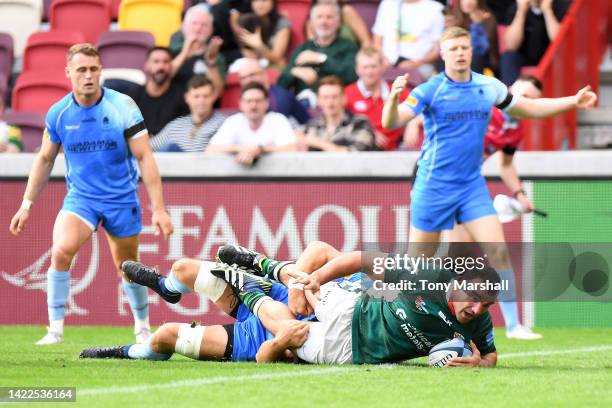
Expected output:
(553, 352)
(300, 373)
(214, 380)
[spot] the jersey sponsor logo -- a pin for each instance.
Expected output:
(416, 337)
(450, 97)
(444, 318)
(91, 146)
(466, 115)
(72, 127)
(412, 101)
(401, 313)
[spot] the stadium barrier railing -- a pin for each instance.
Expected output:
(570, 63)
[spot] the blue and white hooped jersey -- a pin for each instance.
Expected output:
(99, 164)
(456, 118)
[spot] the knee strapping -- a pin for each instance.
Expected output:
(207, 284)
(189, 340)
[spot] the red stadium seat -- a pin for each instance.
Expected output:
(6, 54)
(125, 49)
(231, 92)
(36, 91)
(47, 50)
(91, 17)
(32, 125)
(115, 9)
(297, 13)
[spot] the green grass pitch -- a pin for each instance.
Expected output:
(570, 367)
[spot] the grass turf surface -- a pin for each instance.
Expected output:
(554, 374)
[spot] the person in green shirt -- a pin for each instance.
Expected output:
(377, 325)
(326, 54)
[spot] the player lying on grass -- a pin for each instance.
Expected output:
(238, 341)
(374, 327)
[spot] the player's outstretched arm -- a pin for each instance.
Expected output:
(141, 149)
(290, 337)
(509, 176)
(342, 265)
(395, 115)
(38, 179)
(546, 107)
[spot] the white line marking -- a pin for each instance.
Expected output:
(215, 380)
(553, 352)
(299, 373)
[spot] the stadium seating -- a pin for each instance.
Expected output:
(297, 13)
(367, 10)
(3, 87)
(160, 17)
(115, 9)
(47, 50)
(45, 10)
(6, 54)
(20, 18)
(91, 17)
(36, 91)
(124, 49)
(32, 125)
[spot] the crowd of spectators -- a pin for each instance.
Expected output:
(328, 92)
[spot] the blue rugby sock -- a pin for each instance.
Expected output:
(171, 285)
(143, 352)
(507, 300)
(58, 287)
(137, 297)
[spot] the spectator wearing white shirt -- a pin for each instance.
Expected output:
(253, 131)
(407, 33)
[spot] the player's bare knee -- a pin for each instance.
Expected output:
(498, 256)
(164, 338)
(317, 245)
(61, 257)
(186, 270)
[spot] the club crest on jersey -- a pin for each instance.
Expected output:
(458, 336)
(360, 106)
(105, 122)
(420, 304)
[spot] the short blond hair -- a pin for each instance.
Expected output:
(370, 52)
(84, 48)
(454, 32)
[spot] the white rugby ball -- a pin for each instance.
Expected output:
(441, 353)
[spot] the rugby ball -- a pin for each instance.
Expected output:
(441, 353)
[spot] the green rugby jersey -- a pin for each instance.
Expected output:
(408, 326)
